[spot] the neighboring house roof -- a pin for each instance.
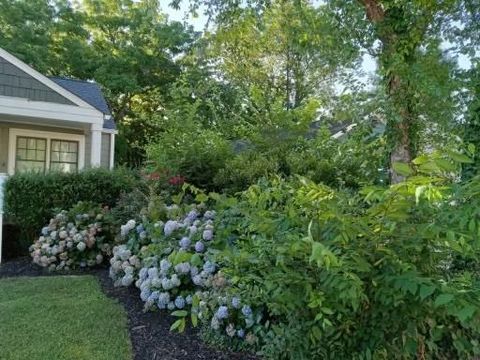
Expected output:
(91, 93)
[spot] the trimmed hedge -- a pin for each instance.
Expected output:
(31, 198)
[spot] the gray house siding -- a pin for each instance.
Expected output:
(88, 150)
(105, 156)
(16, 83)
(3, 148)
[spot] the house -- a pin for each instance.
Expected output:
(49, 123)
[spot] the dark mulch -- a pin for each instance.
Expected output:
(149, 332)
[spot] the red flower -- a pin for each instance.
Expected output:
(176, 180)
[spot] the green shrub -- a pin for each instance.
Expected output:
(196, 156)
(378, 275)
(31, 198)
(244, 170)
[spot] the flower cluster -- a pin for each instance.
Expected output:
(123, 266)
(72, 239)
(180, 270)
(231, 316)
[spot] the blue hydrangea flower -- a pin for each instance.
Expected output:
(165, 265)
(185, 243)
(189, 299)
(139, 228)
(180, 302)
(240, 333)
(199, 247)
(167, 284)
(193, 270)
(222, 313)
(247, 311)
(153, 272)
(143, 235)
(236, 302)
(209, 215)
(192, 216)
(209, 267)
(143, 273)
(145, 294)
(197, 280)
(153, 296)
(207, 235)
(169, 227)
(215, 324)
(182, 268)
(175, 280)
(45, 231)
(171, 305)
(163, 300)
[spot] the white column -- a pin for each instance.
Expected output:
(96, 145)
(112, 150)
(3, 178)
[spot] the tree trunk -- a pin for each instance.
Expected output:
(396, 86)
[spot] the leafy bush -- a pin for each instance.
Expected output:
(79, 237)
(335, 276)
(244, 170)
(31, 198)
(197, 156)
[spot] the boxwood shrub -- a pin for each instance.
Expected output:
(32, 198)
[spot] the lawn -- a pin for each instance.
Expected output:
(61, 317)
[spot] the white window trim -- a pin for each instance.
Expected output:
(49, 136)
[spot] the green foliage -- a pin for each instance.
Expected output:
(376, 275)
(196, 154)
(31, 198)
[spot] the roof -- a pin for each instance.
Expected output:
(89, 92)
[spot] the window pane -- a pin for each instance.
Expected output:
(21, 154)
(30, 154)
(55, 145)
(22, 143)
(64, 167)
(40, 155)
(41, 144)
(64, 156)
(30, 166)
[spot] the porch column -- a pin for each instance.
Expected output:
(112, 150)
(96, 145)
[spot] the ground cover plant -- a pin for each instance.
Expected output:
(61, 317)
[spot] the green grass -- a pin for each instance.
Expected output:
(60, 317)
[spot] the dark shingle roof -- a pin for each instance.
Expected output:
(89, 92)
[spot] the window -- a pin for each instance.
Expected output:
(35, 150)
(64, 155)
(31, 154)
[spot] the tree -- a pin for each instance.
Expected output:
(401, 34)
(129, 47)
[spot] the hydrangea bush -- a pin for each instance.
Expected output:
(79, 237)
(177, 271)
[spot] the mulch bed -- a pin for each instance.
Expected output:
(149, 332)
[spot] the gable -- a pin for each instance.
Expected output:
(14, 82)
